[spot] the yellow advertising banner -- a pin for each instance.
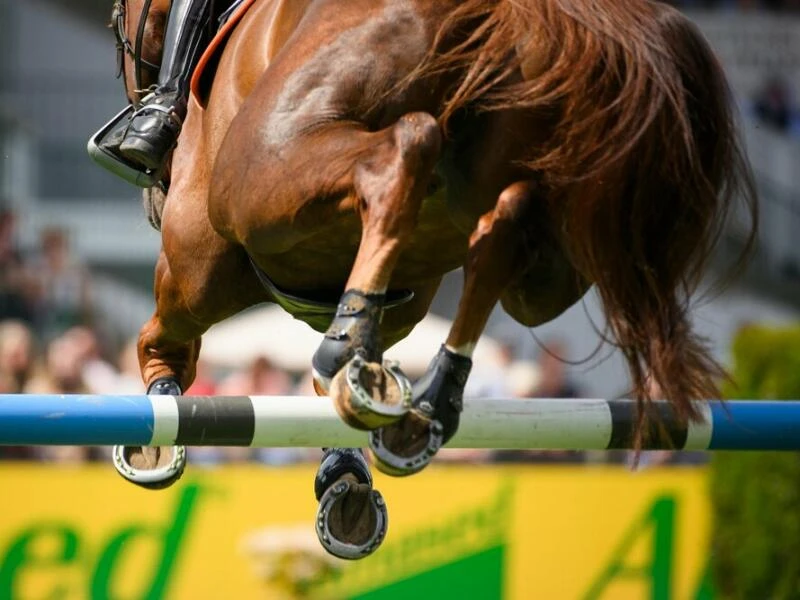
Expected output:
(454, 532)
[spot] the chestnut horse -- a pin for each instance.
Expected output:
(349, 153)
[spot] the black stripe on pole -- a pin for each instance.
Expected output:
(664, 430)
(206, 420)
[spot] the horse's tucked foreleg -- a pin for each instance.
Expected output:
(168, 348)
(169, 343)
(390, 183)
(496, 255)
(167, 358)
(168, 368)
(352, 517)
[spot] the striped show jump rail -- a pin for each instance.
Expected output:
(291, 421)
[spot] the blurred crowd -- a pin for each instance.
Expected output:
(49, 344)
(47, 289)
(774, 106)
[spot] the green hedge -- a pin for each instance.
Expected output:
(755, 496)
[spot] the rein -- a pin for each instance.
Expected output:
(124, 45)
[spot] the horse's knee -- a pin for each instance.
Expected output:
(392, 178)
(514, 203)
(418, 138)
(409, 148)
(511, 217)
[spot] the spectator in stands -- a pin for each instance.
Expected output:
(129, 376)
(204, 383)
(555, 382)
(17, 355)
(63, 373)
(65, 360)
(63, 286)
(15, 285)
(98, 375)
(489, 381)
(773, 105)
(261, 378)
(17, 361)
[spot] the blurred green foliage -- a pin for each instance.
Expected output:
(755, 496)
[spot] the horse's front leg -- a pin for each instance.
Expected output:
(168, 359)
(191, 295)
(497, 254)
(351, 518)
(390, 182)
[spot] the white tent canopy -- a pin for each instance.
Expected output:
(273, 333)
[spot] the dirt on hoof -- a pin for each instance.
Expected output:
(146, 458)
(352, 518)
(378, 385)
(407, 437)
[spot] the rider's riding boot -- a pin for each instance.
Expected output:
(154, 128)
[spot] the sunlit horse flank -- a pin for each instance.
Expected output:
(369, 147)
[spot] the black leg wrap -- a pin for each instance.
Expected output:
(438, 400)
(338, 462)
(439, 394)
(354, 330)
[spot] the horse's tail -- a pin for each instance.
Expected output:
(642, 165)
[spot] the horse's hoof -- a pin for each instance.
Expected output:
(368, 396)
(150, 468)
(351, 519)
(321, 383)
(406, 447)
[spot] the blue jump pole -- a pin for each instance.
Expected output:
(292, 421)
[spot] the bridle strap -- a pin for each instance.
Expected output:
(124, 45)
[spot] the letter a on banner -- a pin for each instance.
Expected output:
(656, 571)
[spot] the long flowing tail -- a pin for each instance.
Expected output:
(642, 165)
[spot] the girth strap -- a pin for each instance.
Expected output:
(320, 308)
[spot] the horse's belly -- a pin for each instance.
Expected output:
(437, 246)
(323, 261)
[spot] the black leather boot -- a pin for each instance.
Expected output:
(154, 128)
